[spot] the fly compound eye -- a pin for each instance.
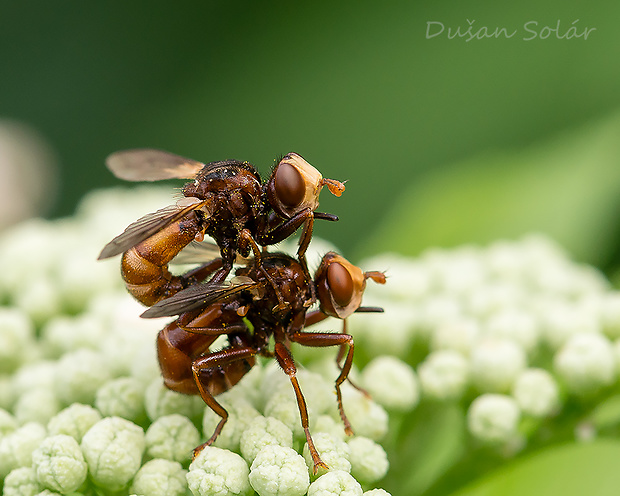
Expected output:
(289, 185)
(340, 284)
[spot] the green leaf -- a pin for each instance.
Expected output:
(569, 470)
(568, 188)
(431, 439)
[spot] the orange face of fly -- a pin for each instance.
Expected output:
(340, 285)
(295, 185)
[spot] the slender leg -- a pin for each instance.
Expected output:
(306, 237)
(214, 331)
(304, 242)
(200, 273)
(209, 321)
(212, 360)
(321, 339)
(282, 231)
(314, 317)
(317, 316)
(220, 275)
(285, 359)
(185, 320)
(245, 239)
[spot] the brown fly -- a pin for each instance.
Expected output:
(209, 310)
(226, 200)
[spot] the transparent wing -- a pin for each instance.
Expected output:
(195, 297)
(146, 226)
(145, 164)
(197, 252)
(201, 252)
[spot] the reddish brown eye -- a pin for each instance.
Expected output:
(340, 283)
(289, 185)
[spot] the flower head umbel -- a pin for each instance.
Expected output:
(499, 340)
(83, 408)
(510, 332)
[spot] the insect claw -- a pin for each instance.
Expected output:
(198, 449)
(309, 302)
(319, 464)
(279, 308)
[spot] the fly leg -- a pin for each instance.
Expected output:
(212, 384)
(285, 229)
(245, 240)
(285, 359)
(318, 316)
(322, 339)
(200, 322)
(200, 273)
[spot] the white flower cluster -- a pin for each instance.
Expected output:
(83, 409)
(512, 331)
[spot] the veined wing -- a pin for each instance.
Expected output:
(195, 297)
(148, 225)
(201, 252)
(146, 164)
(197, 252)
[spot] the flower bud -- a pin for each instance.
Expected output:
(495, 364)
(586, 363)
(493, 418)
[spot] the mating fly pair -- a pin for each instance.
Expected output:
(271, 291)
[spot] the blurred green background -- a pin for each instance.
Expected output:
(442, 141)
